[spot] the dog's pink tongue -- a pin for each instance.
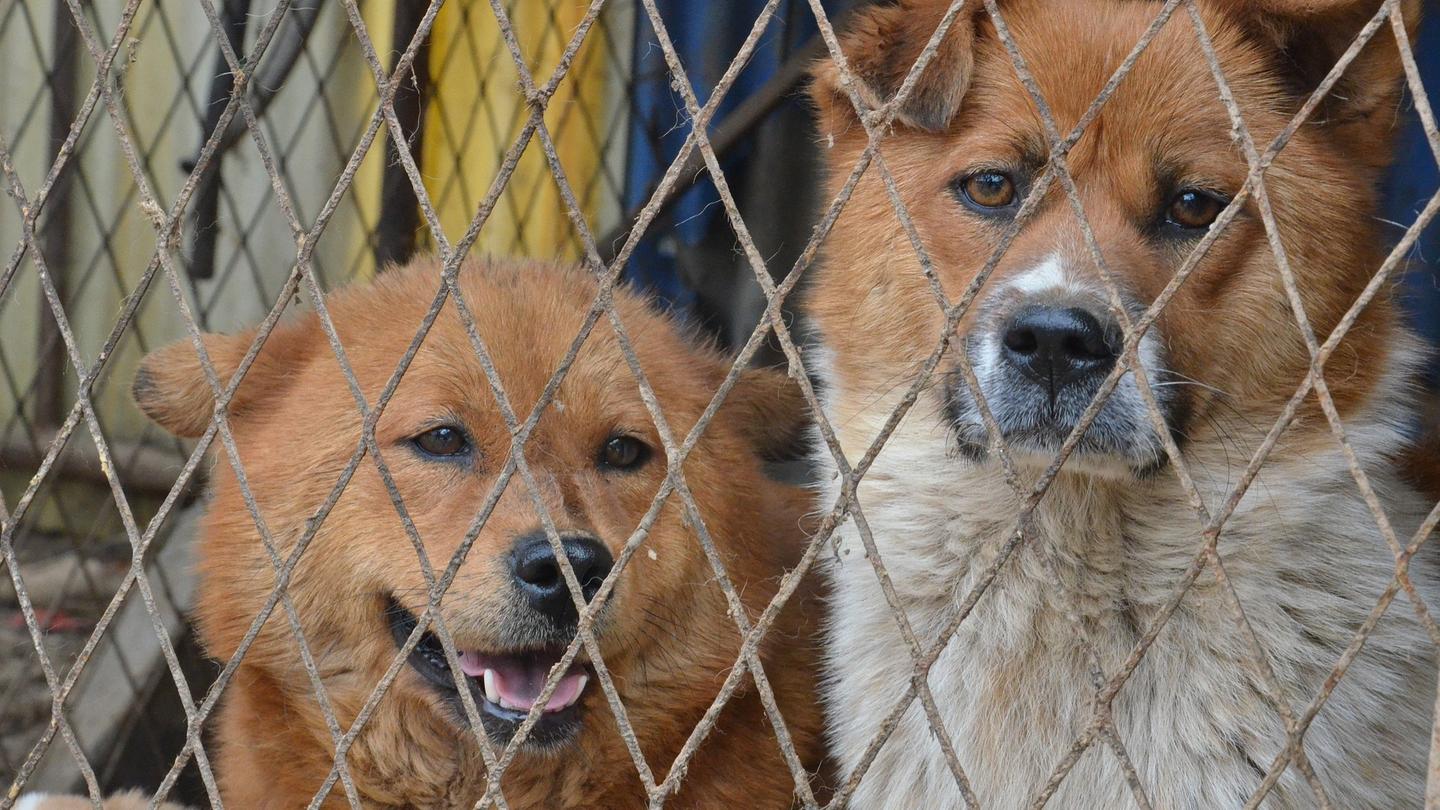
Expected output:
(518, 682)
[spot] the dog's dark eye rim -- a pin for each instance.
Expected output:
(442, 441)
(621, 451)
(1213, 203)
(1010, 190)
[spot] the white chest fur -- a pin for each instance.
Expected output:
(1014, 688)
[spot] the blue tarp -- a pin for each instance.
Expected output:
(707, 35)
(1413, 181)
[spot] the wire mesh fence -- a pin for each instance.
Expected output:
(279, 202)
(97, 216)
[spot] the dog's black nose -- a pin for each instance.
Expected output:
(538, 578)
(1055, 346)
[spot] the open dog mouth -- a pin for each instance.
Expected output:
(504, 685)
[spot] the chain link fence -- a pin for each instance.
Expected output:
(323, 141)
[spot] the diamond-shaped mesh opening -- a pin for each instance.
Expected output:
(179, 170)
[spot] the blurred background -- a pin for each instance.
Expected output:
(617, 122)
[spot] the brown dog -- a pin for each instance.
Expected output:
(598, 462)
(1111, 543)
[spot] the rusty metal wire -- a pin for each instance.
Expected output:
(661, 780)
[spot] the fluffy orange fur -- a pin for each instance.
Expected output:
(666, 637)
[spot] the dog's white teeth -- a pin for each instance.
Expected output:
(492, 692)
(580, 690)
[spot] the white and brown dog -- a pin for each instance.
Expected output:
(1302, 551)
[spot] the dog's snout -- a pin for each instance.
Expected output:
(1057, 345)
(540, 581)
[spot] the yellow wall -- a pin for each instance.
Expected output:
(478, 111)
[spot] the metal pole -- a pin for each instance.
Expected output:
(397, 232)
(49, 405)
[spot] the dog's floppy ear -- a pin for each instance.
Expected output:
(1312, 35)
(881, 44)
(771, 412)
(171, 388)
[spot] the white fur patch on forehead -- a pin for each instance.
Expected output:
(1047, 276)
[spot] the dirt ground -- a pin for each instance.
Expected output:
(68, 597)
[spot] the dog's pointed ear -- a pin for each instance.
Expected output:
(171, 388)
(881, 44)
(771, 412)
(1311, 37)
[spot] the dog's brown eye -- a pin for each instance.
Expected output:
(442, 441)
(989, 189)
(1194, 209)
(623, 452)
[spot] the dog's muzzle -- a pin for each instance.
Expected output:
(1040, 364)
(506, 677)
